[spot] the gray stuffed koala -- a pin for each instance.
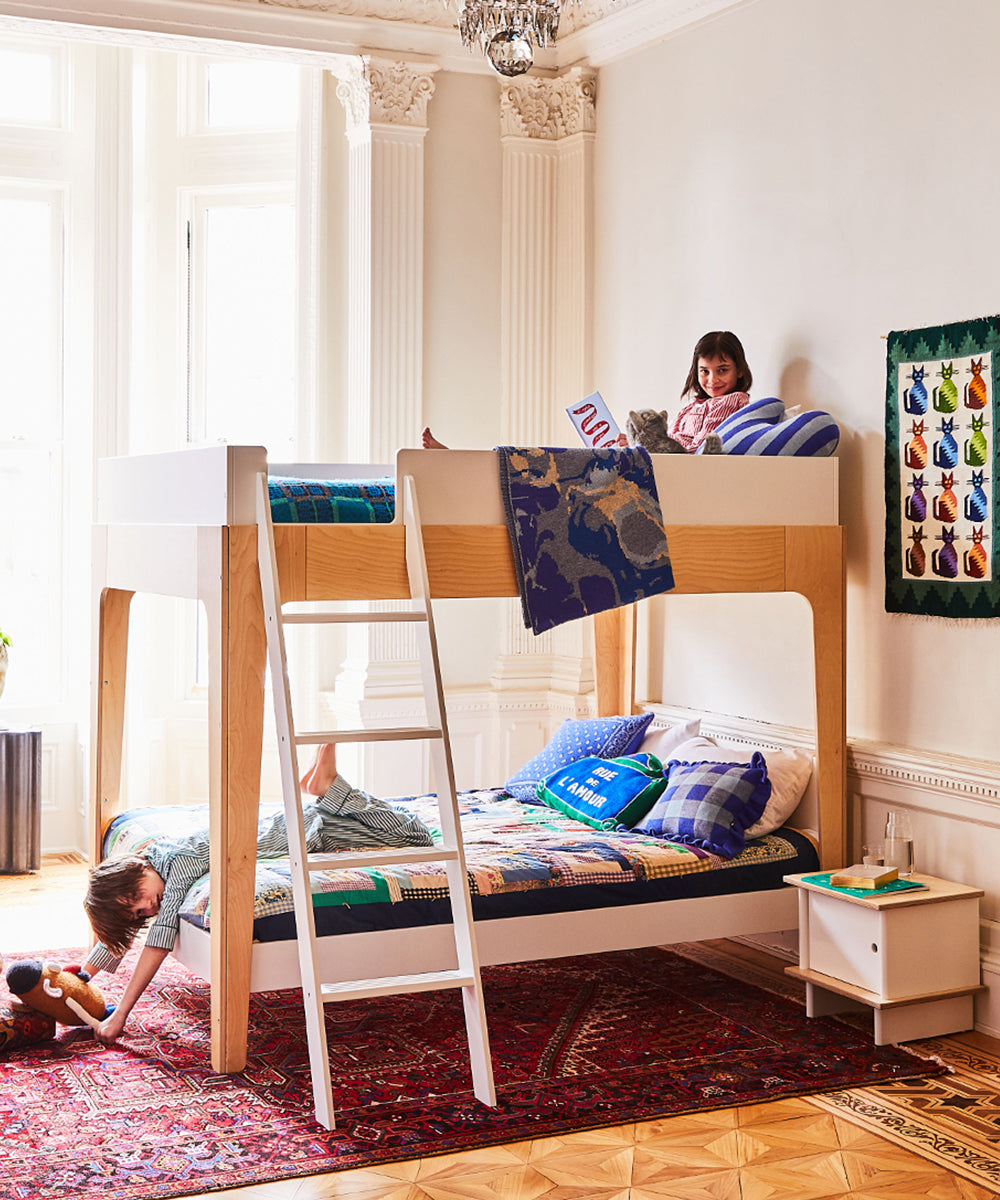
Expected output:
(648, 428)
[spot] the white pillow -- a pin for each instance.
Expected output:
(698, 749)
(789, 772)
(663, 742)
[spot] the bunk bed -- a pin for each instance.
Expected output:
(182, 524)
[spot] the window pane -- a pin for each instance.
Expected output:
(252, 95)
(31, 600)
(30, 328)
(27, 95)
(249, 326)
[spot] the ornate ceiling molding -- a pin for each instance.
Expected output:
(549, 109)
(442, 14)
(412, 12)
(594, 32)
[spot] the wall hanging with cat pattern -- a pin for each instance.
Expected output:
(941, 447)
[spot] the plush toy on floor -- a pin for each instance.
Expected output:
(51, 989)
(20, 1026)
(648, 428)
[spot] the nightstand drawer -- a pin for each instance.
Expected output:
(895, 952)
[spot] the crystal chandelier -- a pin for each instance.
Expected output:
(507, 30)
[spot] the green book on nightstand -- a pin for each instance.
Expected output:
(896, 885)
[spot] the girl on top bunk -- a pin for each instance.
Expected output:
(717, 382)
(125, 892)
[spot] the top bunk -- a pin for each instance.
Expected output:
(215, 485)
(709, 504)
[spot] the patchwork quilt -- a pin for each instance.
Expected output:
(512, 849)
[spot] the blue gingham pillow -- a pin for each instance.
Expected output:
(709, 804)
(600, 737)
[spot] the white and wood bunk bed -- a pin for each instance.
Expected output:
(183, 524)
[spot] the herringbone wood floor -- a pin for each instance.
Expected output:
(792, 1148)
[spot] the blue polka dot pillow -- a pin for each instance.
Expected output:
(763, 428)
(600, 737)
(710, 804)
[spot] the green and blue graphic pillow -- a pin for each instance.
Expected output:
(606, 793)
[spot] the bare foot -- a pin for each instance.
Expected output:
(322, 773)
(429, 441)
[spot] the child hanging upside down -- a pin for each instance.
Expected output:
(125, 892)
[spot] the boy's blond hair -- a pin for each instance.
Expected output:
(113, 885)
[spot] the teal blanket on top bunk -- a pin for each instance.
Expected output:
(332, 501)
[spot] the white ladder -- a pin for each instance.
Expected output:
(315, 993)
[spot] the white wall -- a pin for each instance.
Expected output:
(811, 175)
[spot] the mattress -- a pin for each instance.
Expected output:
(332, 501)
(521, 860)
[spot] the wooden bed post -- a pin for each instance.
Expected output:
(108, 718)
(229, 584)
(614, 661)
(814, 557)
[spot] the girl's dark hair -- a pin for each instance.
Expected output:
(113, 886)
(718, 344)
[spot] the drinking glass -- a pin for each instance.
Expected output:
(898, 842)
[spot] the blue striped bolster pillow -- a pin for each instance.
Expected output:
(763, 428)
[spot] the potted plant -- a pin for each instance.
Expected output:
(4, 643)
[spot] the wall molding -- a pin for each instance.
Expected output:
(938, 773)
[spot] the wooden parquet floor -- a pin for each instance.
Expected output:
(937, 1142)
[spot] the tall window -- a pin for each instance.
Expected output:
(243, 323)
(219, 262)
(31, 460)
(183, 301)
(47, 106)
(45, 201)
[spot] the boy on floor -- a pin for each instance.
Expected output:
(124, 893)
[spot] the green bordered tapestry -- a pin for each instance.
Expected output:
(941, 445)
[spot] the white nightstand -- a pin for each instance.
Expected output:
(912, 956)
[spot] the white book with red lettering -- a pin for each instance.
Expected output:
(594, 423)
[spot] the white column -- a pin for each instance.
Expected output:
(547, 134)
(386, 105)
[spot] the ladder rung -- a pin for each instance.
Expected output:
(400, 733)
(352, 616)
(431, 981)
(341, 860)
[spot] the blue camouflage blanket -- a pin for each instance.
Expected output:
(586, 530)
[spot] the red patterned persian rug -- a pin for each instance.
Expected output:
(577, 1043)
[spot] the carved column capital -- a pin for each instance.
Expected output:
(380, 91)
(549, 109)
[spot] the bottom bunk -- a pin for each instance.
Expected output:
(543, 886)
